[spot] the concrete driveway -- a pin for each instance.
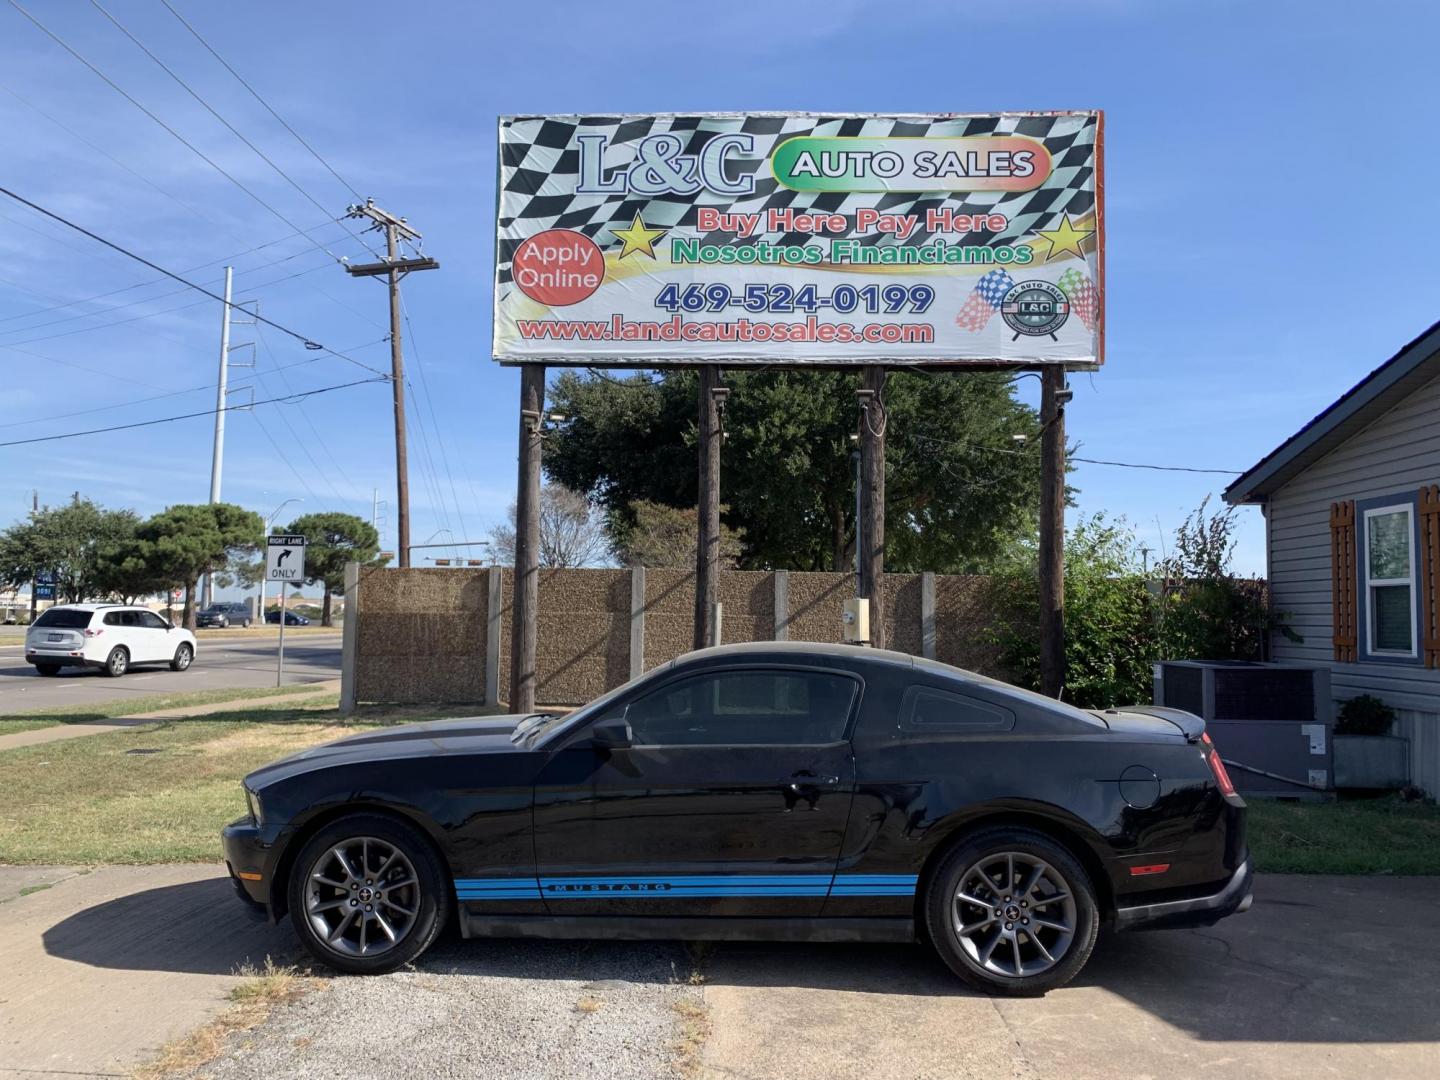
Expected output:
(1325, 976)
(219, 665)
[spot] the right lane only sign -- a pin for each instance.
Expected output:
(285, 559)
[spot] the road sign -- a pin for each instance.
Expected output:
(44, 592)
(45, 577)
(285, 559)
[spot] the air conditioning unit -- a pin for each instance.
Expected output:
(1271, 722)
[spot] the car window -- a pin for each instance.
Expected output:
(64, 619)
(112, 618)
(924, 708)
(744, 707)
(127, 618)
(150, 621)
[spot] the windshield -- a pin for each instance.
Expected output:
(64, 619)
(542, 727)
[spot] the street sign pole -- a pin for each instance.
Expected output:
(284, 563)
(280, 654)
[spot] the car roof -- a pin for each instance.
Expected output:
(93, 607)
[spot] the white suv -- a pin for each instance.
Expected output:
(112, 637)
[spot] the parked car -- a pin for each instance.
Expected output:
(221, 615)
(111, 637)
(291, 618)
(778, 790)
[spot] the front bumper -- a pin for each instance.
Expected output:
(1233, 899)
(250, 859)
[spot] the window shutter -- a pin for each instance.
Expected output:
(1343, 579)
(1430, 575)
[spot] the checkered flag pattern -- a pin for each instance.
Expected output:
(984, 301)
(1084, 297)
(540, 161)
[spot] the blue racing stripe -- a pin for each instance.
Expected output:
(695, 886)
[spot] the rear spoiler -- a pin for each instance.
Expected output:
(1190, 725)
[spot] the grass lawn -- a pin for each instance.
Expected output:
(93, 800)
(109, 710)
(1352, 836)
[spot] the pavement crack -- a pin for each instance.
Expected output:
(1023, 1068)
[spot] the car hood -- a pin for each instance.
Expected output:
(470, 735)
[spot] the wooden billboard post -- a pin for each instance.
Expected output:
(526, 605)
(707, 547)
(1053, 396)
(870, 528)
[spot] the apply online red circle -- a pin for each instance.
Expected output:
(558, 267)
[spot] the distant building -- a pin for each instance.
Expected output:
(1352, 543)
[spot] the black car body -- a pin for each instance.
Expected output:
(772, 790)
(291, 618)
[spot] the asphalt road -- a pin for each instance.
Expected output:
(219, 665)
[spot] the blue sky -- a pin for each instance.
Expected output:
(1268, 167)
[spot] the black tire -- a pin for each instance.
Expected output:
(1063, 887)
(244, 624)
(430, 897)
(184, 655)
(118, 662)
(48, 669)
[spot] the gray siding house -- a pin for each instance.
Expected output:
(1352, 538)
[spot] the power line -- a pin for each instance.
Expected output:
(211, 110)
(153, 397)
(307, 342)
(1160, 468)
(434, 420)
(256, 95)
(181, 138)
(191, 416)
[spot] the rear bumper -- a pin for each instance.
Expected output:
(1234, 898)
(60, 659)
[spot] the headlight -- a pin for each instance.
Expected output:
(253, 804)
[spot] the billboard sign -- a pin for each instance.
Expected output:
(799, 239)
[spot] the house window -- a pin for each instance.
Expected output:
(1390, 580)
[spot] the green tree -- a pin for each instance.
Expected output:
(186, 541)
(667, 535)
(331, 541)
(75, 542)
(959, 487)
(1110, 637)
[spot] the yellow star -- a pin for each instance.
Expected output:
(1064, 240)
(638, 238)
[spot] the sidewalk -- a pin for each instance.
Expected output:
(60, 731)
(102, 968)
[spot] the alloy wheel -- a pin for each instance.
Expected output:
(1014, 914)
(362, 896)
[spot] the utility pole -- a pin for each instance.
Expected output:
(870, 523)
(1053, 396)
(394, 267)
(707, 546)
(526, 604)
(217, 453)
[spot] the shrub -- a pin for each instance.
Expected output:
(1364, 715)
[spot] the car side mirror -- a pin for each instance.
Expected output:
(613, 734)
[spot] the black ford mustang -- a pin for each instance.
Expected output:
(782, 791)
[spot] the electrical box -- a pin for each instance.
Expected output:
(855, 620)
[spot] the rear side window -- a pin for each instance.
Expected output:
(924, 708)
(64, 619)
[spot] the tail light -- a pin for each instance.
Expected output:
(1222, 778)
(96, 632)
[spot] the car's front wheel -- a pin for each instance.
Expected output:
(367, 894)
(1012, 911)
(183, 657)
(118, 662)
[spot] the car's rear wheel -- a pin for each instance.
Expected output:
(1012, 911)
(183, 657)
(118, 662)
(367, 894)
(48, 669)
